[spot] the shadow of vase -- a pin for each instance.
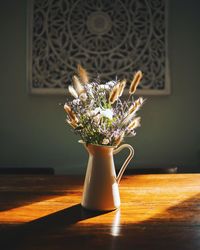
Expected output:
(21, 236)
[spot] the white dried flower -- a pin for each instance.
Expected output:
(93, 112)
(97, 119)
(111, 83)
(103, 86)
(108, 113)
(83, 97)
(72, 91)
(105, 141)
(77, 85)
(76, 102)
(89, 90)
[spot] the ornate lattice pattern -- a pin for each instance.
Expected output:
(113, 38)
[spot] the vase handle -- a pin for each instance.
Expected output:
(126, 162)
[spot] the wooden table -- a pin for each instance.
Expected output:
(44, 212)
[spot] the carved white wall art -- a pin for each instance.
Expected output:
(110, 38)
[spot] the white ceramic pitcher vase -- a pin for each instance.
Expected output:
(101, 186)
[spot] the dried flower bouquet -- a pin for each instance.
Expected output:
(98, 113)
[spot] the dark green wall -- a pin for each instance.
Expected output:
(32, 128)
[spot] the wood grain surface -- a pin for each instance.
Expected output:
(44, 212)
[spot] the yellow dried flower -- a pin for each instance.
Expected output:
(131, 112)
(114, 94)
(72, 123)
(71, 114)
(83, 75)
(122, 85)
(135, 82)
(136, 105)
(135, 123)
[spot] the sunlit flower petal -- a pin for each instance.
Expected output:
(83, 96)
(105, 141)
(77, 85)
(108, 113)
(72, 91)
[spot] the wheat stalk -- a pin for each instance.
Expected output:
(70, 113)
(121, 87)
(136, 105)
(83, 75)
(72, 123)
(135, 123)
(135, 82)
(114, 94)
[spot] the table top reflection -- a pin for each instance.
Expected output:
(44, 212)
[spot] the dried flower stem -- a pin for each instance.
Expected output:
(119, 139)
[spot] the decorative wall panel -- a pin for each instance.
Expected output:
(111, 38)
